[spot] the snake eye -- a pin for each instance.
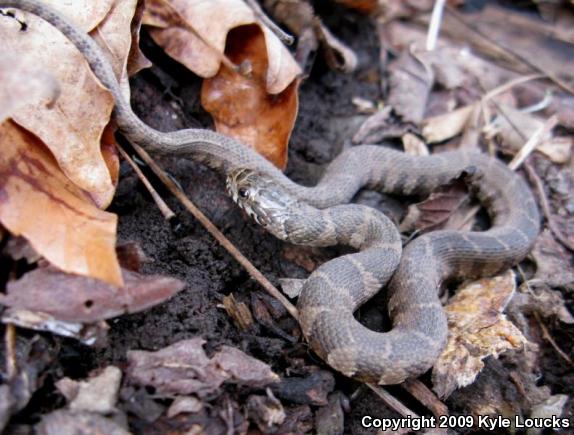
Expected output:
(243, 192)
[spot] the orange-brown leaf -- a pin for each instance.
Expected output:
(240, 105)
(365, 6)
(60, 220)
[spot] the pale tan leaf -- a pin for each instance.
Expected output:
(477, 329)
(414, 145)
(114, 35)
(72, 129)
(86, 14)
(23, 82)
(442, 127)
(199, 42)
(60, 220)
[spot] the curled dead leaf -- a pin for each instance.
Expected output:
(60, 220)
(477, 329)
(240, 105)
(442, 127)
(194, 32)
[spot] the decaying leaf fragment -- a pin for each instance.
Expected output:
(477, 329)
(410, 82)
(60, 220)
(68, 422)
(73, 298)
(97, 394)
(553, 262)
(72, 129)
(184, 368)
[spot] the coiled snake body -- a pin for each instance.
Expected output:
(292, 212)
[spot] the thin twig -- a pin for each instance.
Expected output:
(434, 25)
(283, 36)
(167, 212)
(214, 231)
(392, 401)
(510, 84)
(533, 142)
(10, 343)
(535, 179)
(549, 338)
(518, 57)
(424, 395)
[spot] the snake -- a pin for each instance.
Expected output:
(320, 215)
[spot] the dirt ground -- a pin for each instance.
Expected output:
(167, 97)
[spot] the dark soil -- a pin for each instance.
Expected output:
(167, 98)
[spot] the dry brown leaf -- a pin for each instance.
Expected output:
(553, 262)
(184, 368)
(136, 59)
(337, 54)
(477, 329)
(61, 222)
(436, 211)
(199, 42)
(537, 297)
(410, 82)
(442, 127)
(73, 298)
(240, 105)
(266, 411)
(71, 128)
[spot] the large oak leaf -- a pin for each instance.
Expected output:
(73, 126)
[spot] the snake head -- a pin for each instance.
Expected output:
(267, 203)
